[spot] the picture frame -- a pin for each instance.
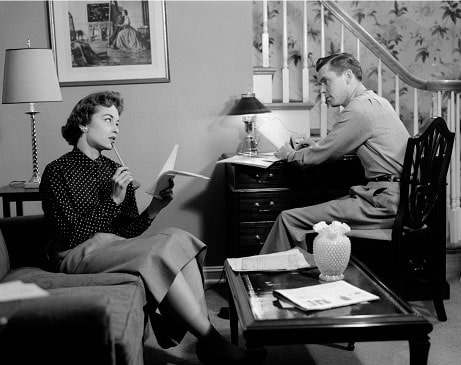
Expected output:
(109, 42)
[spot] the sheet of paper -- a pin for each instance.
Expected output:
(168, 172)
(280, 261)
(17, 290)
(263, 161)
(324, 296)
(275, 132)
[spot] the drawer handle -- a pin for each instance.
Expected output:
(261, 181)
(268, 209)
(258, 238)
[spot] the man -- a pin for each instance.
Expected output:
(369, 126)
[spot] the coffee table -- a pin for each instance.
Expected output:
(263, 322)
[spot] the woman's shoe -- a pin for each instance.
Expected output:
(160, 328)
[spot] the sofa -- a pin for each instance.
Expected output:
(86, 319)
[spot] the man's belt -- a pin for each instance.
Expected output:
(390, 178)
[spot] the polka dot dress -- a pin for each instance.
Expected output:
(76, 199)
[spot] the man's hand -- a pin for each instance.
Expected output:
(303, 143)
(156, 204)
(284, 151)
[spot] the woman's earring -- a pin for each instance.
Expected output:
(84, 129)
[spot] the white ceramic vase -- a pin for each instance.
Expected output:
(332, 251)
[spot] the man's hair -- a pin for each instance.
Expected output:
(84, 109)
(339, 63)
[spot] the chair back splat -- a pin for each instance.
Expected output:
(412, 259)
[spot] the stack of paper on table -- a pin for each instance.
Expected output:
(263, 160)
(168, 172)
(324, 296)
(280, 261)
(17, 290)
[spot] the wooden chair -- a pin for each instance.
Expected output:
(410, 257)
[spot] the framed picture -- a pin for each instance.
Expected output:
(109, 42)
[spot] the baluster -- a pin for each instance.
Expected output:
(342, 38)
(380, 77)
(305, 56)
(323, 102)
(323, 113)
(322, 30)
(285, 72)
(457, 154)
(439, 103)
(358, 49)
(415, 112)
(454, 213)
(450, 215)
(433, 108)
(455, 191)
(397, 96)
(265, 36)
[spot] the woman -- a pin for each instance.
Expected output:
(90, 205)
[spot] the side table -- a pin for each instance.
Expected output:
(17, 194)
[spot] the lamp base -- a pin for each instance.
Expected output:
(249, 147)
(32, 184)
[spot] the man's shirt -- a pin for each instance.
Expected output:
(369, 126)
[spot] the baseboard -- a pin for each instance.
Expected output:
(453, 260)
(213, 275)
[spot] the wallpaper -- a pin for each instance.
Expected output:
(423, 35)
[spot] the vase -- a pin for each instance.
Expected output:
(331, 254)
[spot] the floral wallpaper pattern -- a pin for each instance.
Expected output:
(425, 36)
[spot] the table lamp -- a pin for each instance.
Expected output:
(248, 106)
(30, 77)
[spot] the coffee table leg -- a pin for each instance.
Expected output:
(419, 351)
(234, 330)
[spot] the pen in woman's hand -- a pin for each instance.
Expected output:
(135, 183)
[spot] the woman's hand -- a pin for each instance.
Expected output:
(156, 205)
(120, 181)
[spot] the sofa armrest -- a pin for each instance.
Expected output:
(59, 330)
(26, 238)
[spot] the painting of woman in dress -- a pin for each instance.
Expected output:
(128, 38)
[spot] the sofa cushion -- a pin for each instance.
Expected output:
(46, 330)
(126, 311)
(4, 259)
(52, 280)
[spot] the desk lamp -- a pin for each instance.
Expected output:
(30, 77)
(248, 106)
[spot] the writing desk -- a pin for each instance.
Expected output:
(17, 194)
(255, 196)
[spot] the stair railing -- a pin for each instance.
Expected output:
(401, 74)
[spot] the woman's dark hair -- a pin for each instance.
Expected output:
(84, 109)
(341, 62)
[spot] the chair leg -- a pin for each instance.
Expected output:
(440, 309)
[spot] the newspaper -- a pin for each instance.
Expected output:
(324, 296)
(168, 172)
(280, 261)
(16, 290)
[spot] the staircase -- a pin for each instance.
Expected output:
(299, 104)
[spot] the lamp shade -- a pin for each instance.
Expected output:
(30, 76)
(248, 104)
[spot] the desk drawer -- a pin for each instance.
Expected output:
(248, 177)
(252, 237)
(266, 206)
